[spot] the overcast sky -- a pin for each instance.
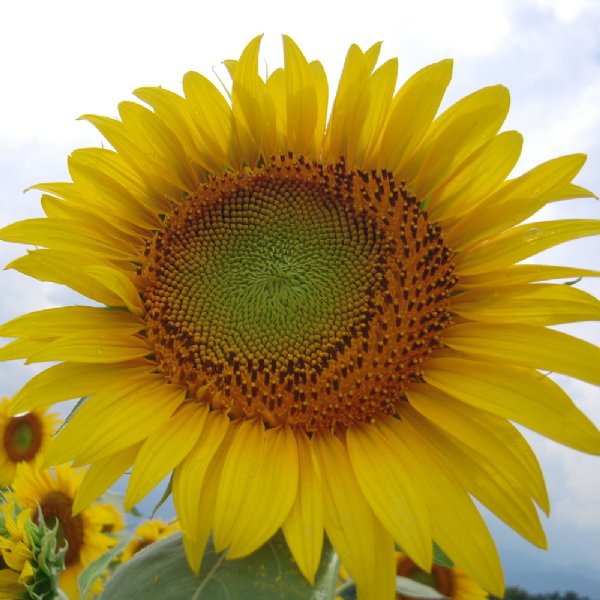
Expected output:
(61, 59)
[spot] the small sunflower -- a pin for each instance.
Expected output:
(23, 438)
(54, 491)
(450, 582)
(318, 322)
(147, 533)
(15, 552)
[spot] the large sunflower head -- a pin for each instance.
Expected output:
(52, 493)
(318, 322)
(23, 438)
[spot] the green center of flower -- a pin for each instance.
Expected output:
(23, 437)
(283, 292)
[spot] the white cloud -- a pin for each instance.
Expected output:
(565, 10)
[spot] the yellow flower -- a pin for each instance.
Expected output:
(53, 491)
(15, 552)
(319, 323)
(147, 533)
(23, 437)
(449, 582)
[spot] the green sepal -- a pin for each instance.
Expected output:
(441, 558)
(164, 497)
(48, 560)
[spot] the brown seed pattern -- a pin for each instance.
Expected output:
(23, 437)
(299, 293)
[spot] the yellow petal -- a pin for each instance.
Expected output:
(380, 90)
(351, 104)
(521, 395)
(118, 227)
(68, 269)
(271, 495)
(537, 304)
(100, 173)
(164, 449)
(387, 486)
(571, 190)
(55, 322)
(200, 495)
(303, 527)
(455, 135)
(66, 381)
(21, 349)
(322, 91)
(239, 472)
(189, 476)
(212, 118)
(134, 150)
(172, 109)
(522, 242)
(142, 404)
(493, 437)
(161, 146)
(101, 475)
(515, 201)
(476, 178)
(480, 475)
(302, 102)
(364, 547)
(102, 347)
(457, 525)
(252, 108)
(528, 346)
(64, 234)
(276, 87)
(119, 283)
(519, 274)
(420, 97)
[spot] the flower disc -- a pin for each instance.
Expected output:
(300, 293)
(23, 438)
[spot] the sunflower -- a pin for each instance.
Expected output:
(23, 437)
(147, 533)
(15, 552)
(318, 323)
(450, 582)
(53, 491)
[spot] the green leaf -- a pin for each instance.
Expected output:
(414, 589)
(161, 571)
(98, 567)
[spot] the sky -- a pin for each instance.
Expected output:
(62, 59)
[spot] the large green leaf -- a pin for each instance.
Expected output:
(161, 571)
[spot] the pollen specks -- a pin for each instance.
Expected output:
(298, 292)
